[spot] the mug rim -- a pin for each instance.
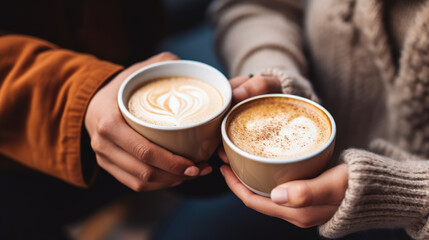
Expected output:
(125, 111)
(278, 160)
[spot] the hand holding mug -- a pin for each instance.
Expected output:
(304, 203)
(178, 105)
(244, 87)
(276, 145)
(274, 81)
(126, 155)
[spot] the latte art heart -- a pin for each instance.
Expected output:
(175, 101)
(174, 105)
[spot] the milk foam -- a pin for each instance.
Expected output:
(279, 129)
(175, 101)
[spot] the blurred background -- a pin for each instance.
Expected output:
(189, 34)
(199, 209)
(37, 205)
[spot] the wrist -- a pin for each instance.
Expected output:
(381, 193)
(291, 82)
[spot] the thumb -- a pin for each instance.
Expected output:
(327, 189)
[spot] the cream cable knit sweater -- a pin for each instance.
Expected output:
(351, 47)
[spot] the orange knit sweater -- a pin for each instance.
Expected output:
(44, 92)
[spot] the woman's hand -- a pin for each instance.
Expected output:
(304, 203)
(244, 87)
(126, 155)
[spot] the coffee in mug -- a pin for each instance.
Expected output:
(279, 127)
(275, 138)
(175, 101)
(178, 105)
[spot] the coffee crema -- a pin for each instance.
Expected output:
(279, 128)
(175, 101)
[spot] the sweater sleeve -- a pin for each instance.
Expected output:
(390, 191)
(44, 93)
(263, 38)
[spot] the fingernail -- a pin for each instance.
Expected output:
(279, 195)
(206, 171)
(192, 171)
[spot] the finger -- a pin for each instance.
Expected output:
(308, 216)
(302, 217)
(261, 204)
(327, 189)
(237, 81)
(205, 168)
(222, 154)
(242, 192)
(256, 86)
(161, 57)
(164, 56)
(131, 165)
(144, 150)
(129, 180)
(261, 85)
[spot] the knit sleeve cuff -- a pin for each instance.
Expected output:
(382, 193)
(246, 29)
(292, 83)
(78, 172)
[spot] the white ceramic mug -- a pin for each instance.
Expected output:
(261, 174)
(197, 141)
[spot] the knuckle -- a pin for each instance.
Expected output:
(274, 84)
(305, 222)
(139, 186)
(143, 152)
(265, 86)
(167, 56)
(96, 144)
(105, 126)
(100, 162)
(302, 195)
(146, 176)
(176, 166)
(258, 85)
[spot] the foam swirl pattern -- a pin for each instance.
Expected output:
(279, 128)
(175, 101)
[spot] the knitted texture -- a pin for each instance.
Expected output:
(382, 193)
(382, 147)
(292, 83)
(353, 69)
(373, 29)
(409, 97)
(233, 20)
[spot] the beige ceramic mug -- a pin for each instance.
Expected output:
(196, 141)
(268, 140)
